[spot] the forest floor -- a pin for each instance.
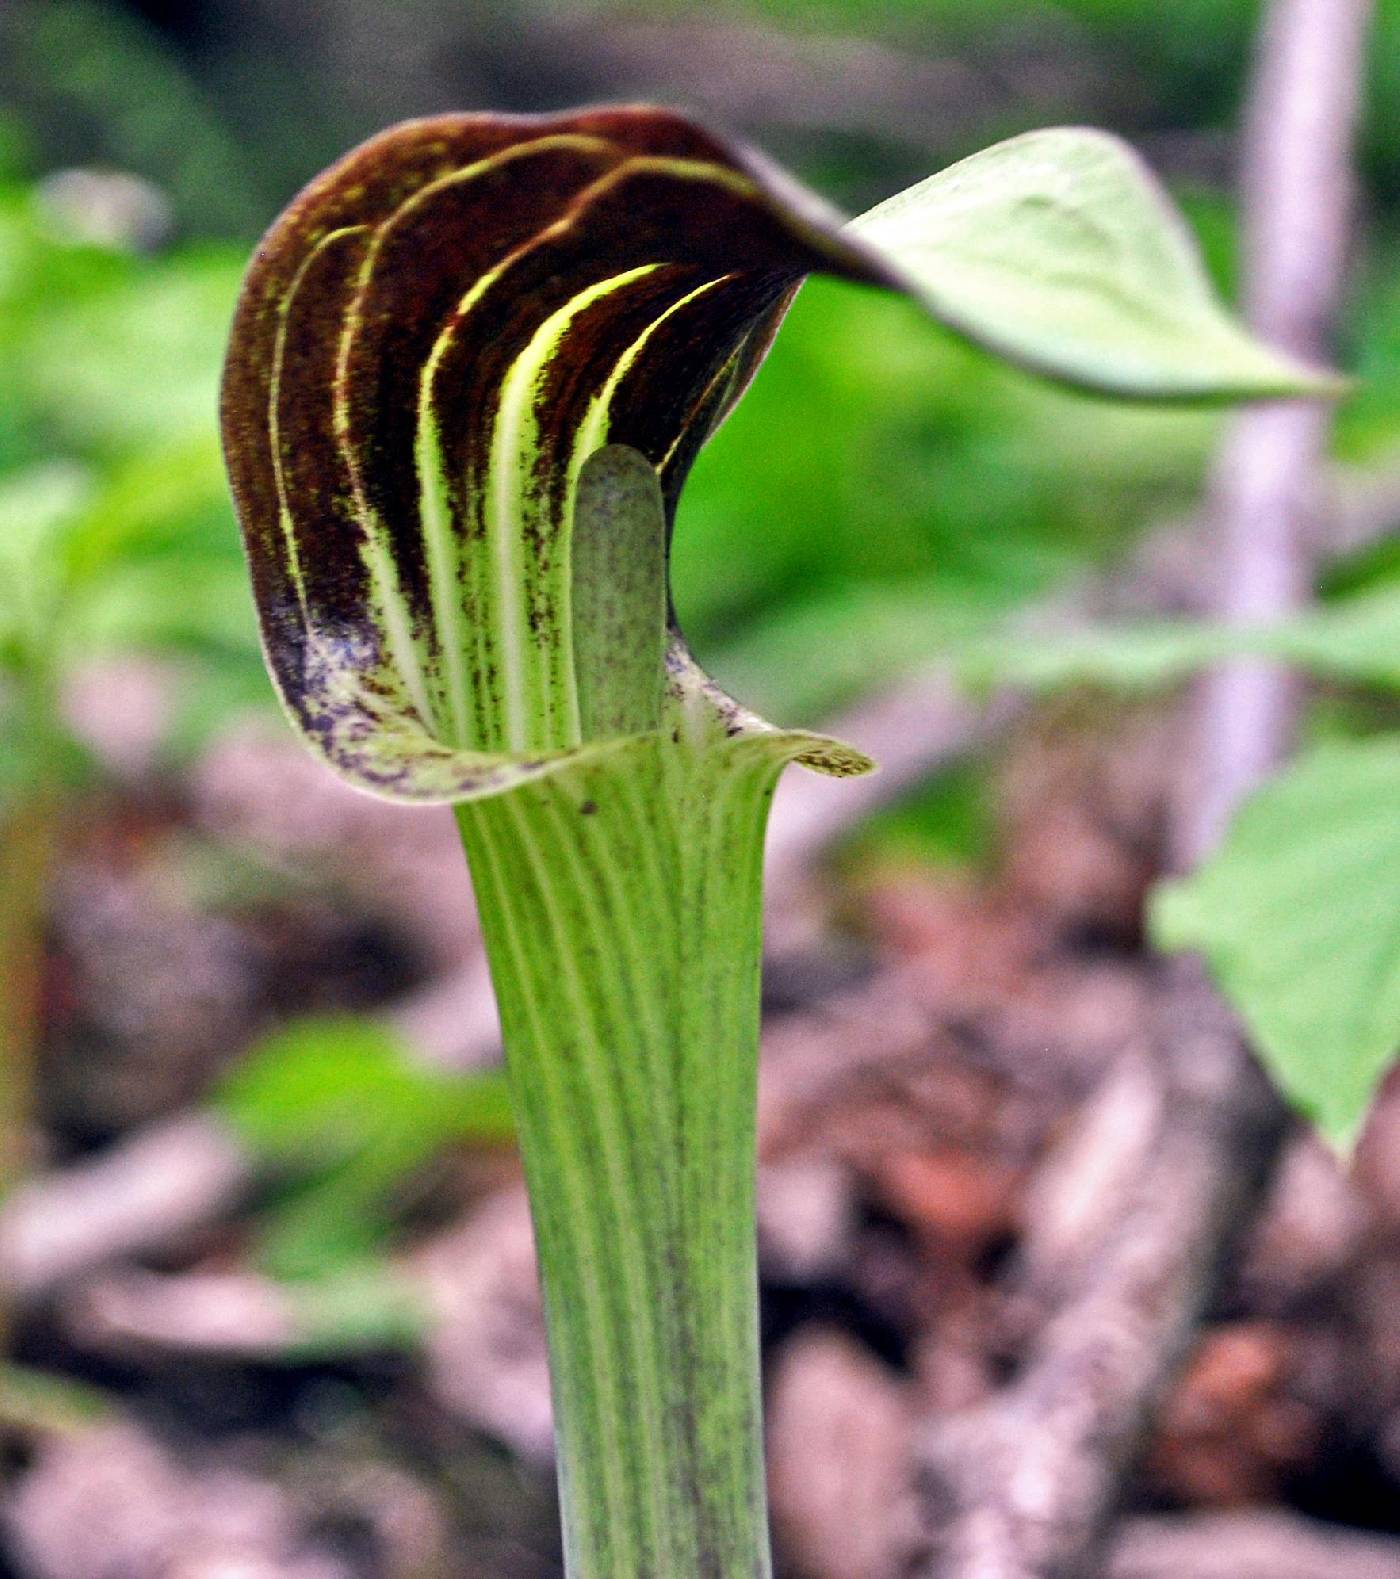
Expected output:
(952, 1078)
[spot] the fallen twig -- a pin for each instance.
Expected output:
(1252, 1545)
(144, 1195)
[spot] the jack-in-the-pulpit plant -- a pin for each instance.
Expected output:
(471, 366)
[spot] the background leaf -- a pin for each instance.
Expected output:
(339, 1107)
(1299, 918)
(1354, 640)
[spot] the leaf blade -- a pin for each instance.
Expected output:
(1299, 918)
(1060, 251)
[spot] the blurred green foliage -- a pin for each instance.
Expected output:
(115, 528)
(341, 1112)
(97, 79)
(1353, 639)
(1299, 916)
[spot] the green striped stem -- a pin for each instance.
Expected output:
(621, 907)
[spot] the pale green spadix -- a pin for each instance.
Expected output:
(471, 366)
(619, 595)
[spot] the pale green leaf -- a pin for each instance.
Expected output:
(366, 1305)
(37, 505)
(1299, 918)
(327, 1088)
(1126, 658)
(1356, 640)
(339, 1104)
(1060, 250)
(159, 495)
(171, 601)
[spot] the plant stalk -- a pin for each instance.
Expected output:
(621, 907)
(28, 838)
(26, 846)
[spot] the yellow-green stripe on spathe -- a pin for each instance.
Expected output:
(285, 520)
(389, 614)
(594, 433)
(537, 679)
